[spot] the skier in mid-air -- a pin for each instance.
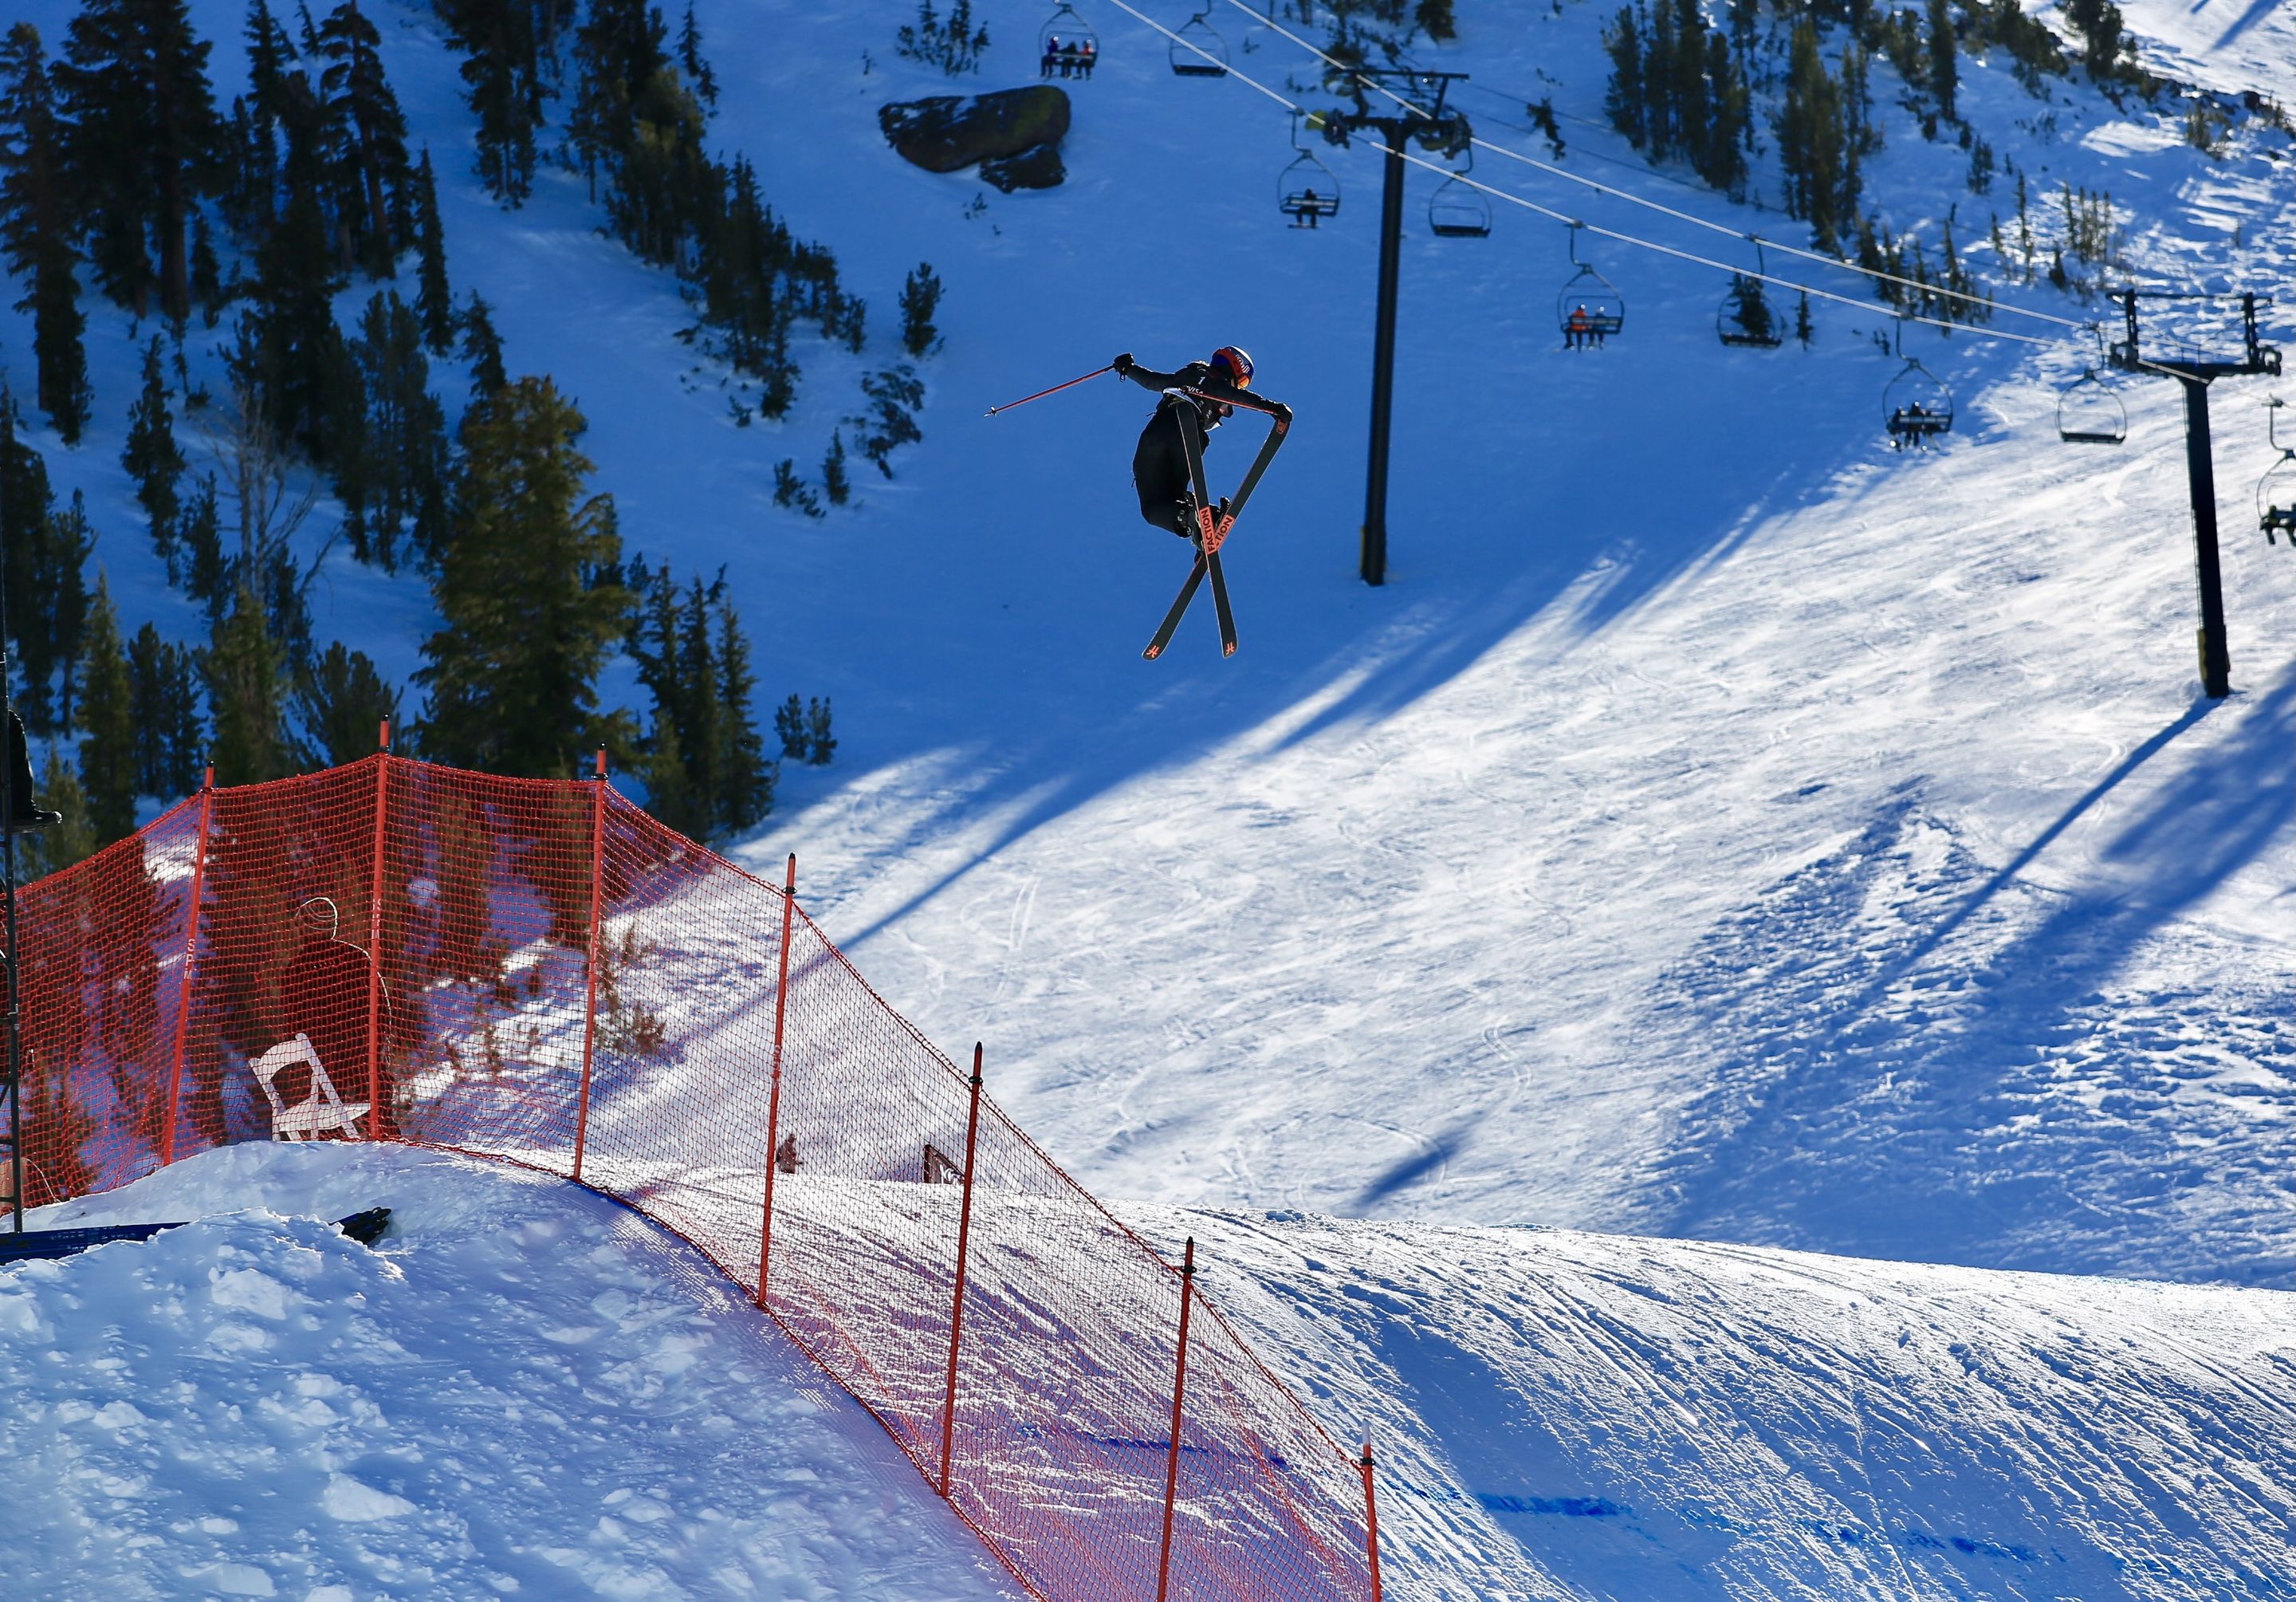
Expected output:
(1160, 462)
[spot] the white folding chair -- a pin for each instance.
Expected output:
(321, 1111)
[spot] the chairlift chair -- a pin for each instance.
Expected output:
(1198, 51)
(1306, 192)
(2276, 491)
(1590, 308)
(1457, 209)
(2088, 413)
(1746, 318)
(1067, 46)
(1917, 406)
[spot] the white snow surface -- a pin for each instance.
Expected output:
(1718, 828)
(521, 1390)
(524, 1390)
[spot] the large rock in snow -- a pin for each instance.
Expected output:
(1018, 129)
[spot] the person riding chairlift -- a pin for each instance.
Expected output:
(1579, 331)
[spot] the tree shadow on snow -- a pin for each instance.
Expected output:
(1912, 1068)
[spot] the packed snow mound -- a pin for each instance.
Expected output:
(522, 1390)
(1561, 1415)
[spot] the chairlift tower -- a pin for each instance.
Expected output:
(1437, 128)
(2200, 466)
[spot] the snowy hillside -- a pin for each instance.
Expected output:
(522, 1390)
(1721, 827)
(1718, 826)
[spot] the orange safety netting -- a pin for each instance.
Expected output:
(559, 980)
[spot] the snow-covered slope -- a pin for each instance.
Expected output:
(522, 1390)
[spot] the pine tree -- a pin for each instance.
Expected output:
(152, 458)
(1945, 60)
(340, 704)
(396, 488)
(699, 77)
(482, 349)
(1817, 143)
(200, 566)
(511, 677)
(70, 842)
(745, 793)
(245, 670)
(1622, 99)
(819, 747)
(292, 356)
(368, 170)
(920, 298)
(164, 699)
(143, 136)
(618, 52)
(208, 291)
(789, 727)
(1805, 328)
(36, 229)
(502, 74)
(433, 297)
(1434, 18)
(835, 483)
(46, 552)
(2103, 36)
(108, 766)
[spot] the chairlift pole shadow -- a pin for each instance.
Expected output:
(1436, 127)
(2199, 464)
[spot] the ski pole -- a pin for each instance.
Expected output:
(1055, 389)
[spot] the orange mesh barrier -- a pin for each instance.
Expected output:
(561, 981)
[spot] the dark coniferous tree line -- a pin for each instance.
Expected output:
(117, 167)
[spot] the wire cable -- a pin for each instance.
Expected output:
(1612, 234)
(1601, 188)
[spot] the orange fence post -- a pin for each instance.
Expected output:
(590, 962)
(1371, 1519)
(773, 1097)
(374, 933)
(956, 1310)
(1179, 1388)
(190, 966)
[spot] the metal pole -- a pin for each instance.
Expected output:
(590, 1004)
(956, 1311)
(1371, 1519)
(2215, 658)
(14, 1066)
(773, 1097)
(1179, 1388)
(191, 968)
(1382, 361)
(374, 934)
(15, 1060)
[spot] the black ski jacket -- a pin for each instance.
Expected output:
(1160, 462)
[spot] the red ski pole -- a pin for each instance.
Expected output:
(1055, 389)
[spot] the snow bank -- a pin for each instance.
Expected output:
(521, 1390)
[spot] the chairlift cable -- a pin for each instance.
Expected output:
(1601, 188)
(1612, 233)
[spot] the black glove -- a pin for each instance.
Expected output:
(1123, 364)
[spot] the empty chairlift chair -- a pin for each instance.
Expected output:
(1198, 51)
(1066, 47)
(1916, 407)
(1457, 209)
(2276, 491)
(2088, 413)
(1590, 309)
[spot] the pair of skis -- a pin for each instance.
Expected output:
(1214, 520)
